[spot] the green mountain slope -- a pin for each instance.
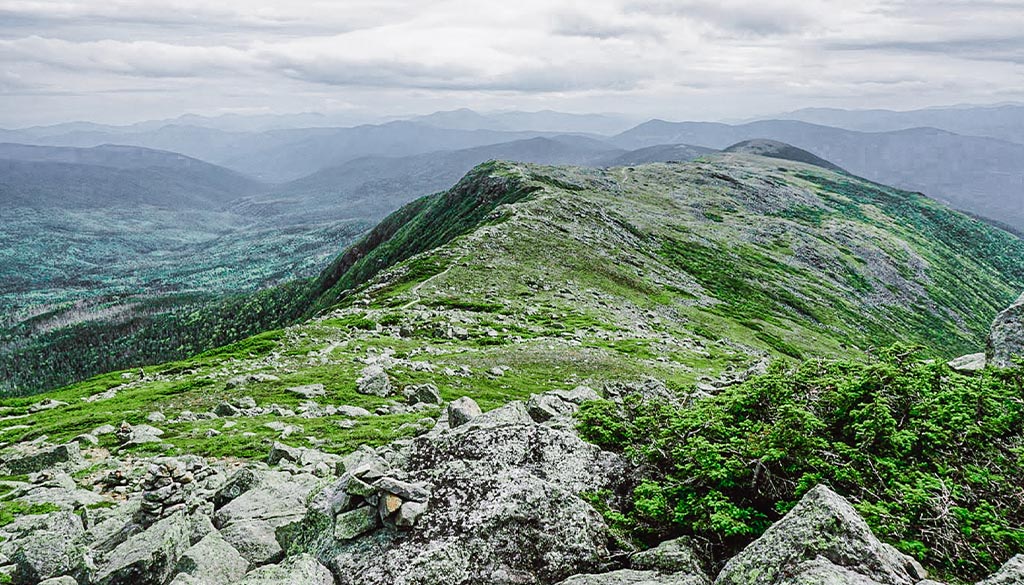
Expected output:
(525, 278)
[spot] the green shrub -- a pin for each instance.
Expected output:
(932, 459)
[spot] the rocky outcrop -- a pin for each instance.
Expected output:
(496, 499)
(1006, 341)
(35, 458)
(821, 540)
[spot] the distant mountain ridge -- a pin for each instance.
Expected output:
(984, 176)
(114, 176)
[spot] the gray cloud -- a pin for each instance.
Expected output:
(670, 58)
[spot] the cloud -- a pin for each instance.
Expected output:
(703, 57)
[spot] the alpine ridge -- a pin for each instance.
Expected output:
(501, 383)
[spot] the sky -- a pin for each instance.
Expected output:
(120, 61)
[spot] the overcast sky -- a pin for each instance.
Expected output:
(128, 60)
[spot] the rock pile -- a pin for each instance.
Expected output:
(165, 486)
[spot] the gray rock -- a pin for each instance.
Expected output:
(1012, 573)
(280, 452)
(365, 464)
(214, 560)
(821, 571)
(671, 556)
(512, 414)
(409, 514)
(50, 552)
(504, 509)
(142, 434)
(48, 404)
(822, 524)
(35, 458)
(461, 411)
(544, 407)
(278, 500)
(255, 540)
(631, 577)
(405, 490)
(968, 364)
(422, 394)
(1006, 341)
(65, 580)
(300, 570)
(242, 481)
(374, 381)
(577, 395)
(353, 411)
(226, 409)
(103, 430)
(308, 391)
(147, 558)
(156, 417)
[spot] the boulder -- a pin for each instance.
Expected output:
(255, 540)
(1012, 573)
(544, 407)
(821, 571)
(213, 560)
(404, 490)
(149, 557)
(462, 410)
(503, 508)
(374, 381)
(280, 452)
(242, 481)
(1006, 341)
(422, 394)
(300, 570)
(631, 577)
(671, 556)
(968, 364)
(37, 458)
(50, 552)
(352, 411)
(824, 525)
(66, 580)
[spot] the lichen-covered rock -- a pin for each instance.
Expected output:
(149, 557)
(671, 556)
(37, 458)
(374, 381)
(462, 410)
(503, 508)
(632, 577)
(255, 540)
(1012, 573)
(422, 394)
(825, 525)
(51, 552)
(1006, 341)
(213, 560)
(299, 570)
(821, 571)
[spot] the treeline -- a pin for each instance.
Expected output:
(141, 337)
